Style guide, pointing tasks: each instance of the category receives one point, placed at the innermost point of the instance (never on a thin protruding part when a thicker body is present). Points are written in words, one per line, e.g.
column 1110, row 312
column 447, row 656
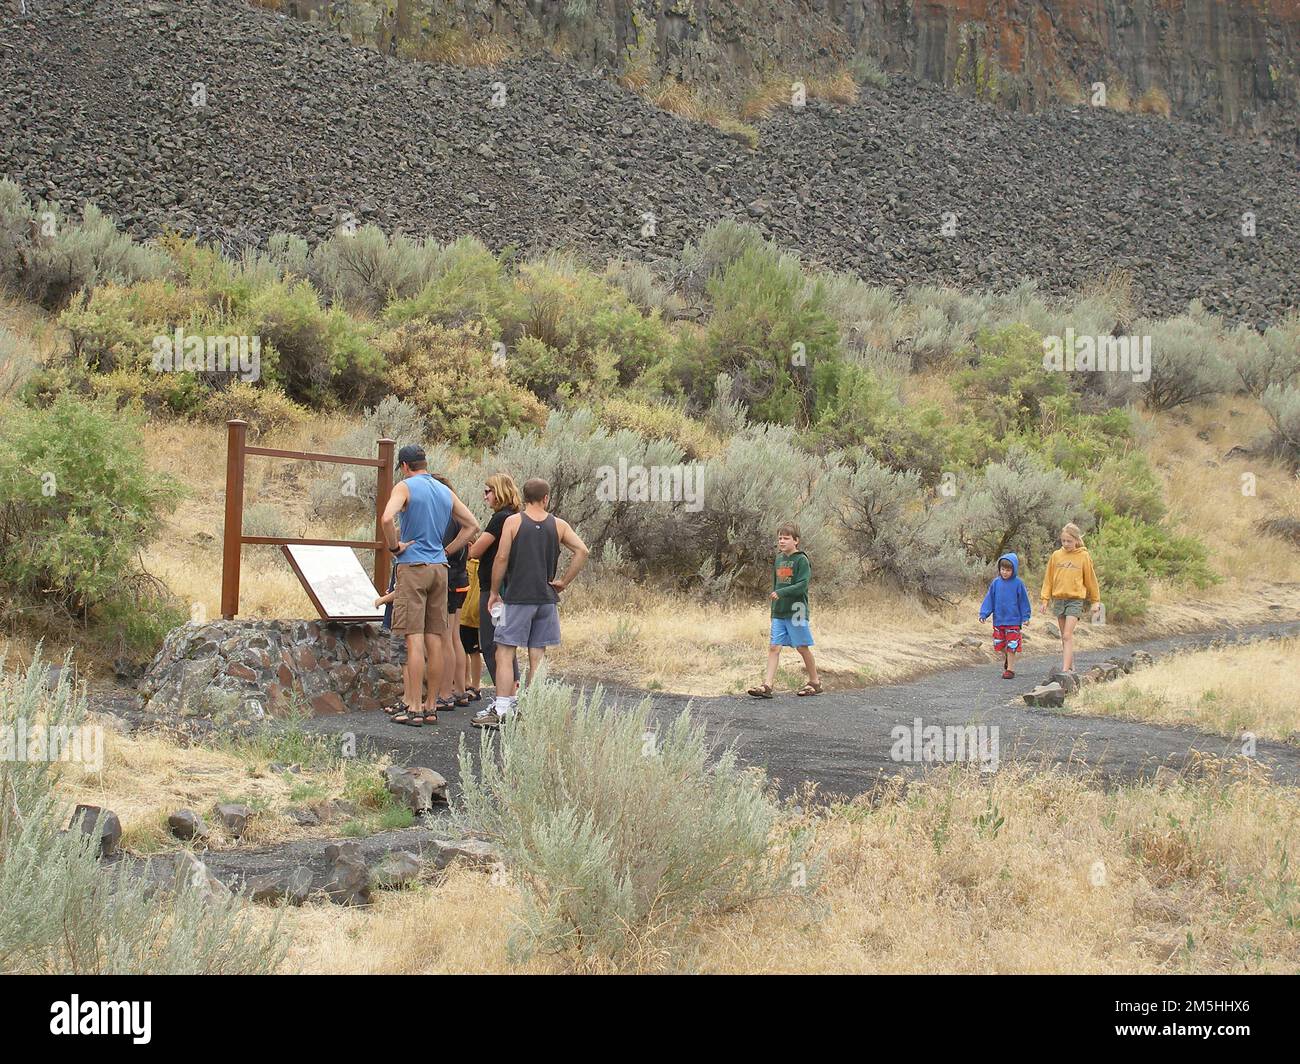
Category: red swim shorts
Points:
column 1006, row 638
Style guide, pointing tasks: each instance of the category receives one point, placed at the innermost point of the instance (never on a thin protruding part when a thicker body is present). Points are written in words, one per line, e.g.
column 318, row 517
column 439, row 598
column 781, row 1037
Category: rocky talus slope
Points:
column 300, row 128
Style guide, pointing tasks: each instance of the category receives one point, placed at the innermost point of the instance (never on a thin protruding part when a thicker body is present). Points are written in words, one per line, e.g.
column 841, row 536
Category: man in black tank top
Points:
column 526, row 561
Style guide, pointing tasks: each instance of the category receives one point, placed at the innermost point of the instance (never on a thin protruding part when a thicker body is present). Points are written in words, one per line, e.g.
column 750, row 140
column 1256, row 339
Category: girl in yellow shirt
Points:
column 1069, row 582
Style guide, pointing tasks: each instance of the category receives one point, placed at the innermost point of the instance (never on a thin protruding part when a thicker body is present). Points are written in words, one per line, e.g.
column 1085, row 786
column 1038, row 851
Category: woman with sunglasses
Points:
column 503, row 499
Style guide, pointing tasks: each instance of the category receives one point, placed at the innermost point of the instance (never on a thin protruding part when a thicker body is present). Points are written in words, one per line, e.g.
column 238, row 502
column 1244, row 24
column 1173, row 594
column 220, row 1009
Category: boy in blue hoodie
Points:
column 1007, row 602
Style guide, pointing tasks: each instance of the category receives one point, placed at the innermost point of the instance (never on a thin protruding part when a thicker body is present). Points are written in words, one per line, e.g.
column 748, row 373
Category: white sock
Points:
column 503, row 706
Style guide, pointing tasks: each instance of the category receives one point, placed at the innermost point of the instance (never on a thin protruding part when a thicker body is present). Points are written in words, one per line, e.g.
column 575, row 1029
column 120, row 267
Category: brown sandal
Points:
column 810, row 689
column 763, row 690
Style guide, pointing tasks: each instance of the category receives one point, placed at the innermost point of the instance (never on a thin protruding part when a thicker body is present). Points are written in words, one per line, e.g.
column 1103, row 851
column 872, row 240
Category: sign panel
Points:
column 335, row 582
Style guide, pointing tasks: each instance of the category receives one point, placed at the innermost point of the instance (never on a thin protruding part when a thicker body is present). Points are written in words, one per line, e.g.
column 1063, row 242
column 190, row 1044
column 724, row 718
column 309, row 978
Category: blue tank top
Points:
column 426, row 515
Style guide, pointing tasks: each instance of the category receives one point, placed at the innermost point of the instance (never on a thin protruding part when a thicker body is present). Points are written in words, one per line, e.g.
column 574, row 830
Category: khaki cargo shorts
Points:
column 420, row 605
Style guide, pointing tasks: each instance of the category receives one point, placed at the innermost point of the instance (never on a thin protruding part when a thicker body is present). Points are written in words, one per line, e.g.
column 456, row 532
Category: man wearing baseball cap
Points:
column 420, row 602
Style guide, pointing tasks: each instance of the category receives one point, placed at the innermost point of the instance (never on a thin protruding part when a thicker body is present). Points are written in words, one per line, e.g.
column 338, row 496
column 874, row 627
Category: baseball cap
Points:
column 410, row 454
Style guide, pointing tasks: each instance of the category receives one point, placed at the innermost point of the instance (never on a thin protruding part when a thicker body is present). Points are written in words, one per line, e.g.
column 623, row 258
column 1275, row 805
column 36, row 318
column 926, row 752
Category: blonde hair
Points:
column 503, row 486
column 1073, row 531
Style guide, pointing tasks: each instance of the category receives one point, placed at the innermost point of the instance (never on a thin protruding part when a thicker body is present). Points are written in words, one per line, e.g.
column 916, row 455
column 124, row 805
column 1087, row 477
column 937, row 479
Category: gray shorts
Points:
column 1068, row 608
column 529, row 624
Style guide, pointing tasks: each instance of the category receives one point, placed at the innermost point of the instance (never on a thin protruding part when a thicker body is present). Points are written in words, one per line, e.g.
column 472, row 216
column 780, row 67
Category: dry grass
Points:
column 838, row 87
column 1228, row 691
column 765, row 99
column 457, row 48
column 1154, row 101
column 1189, row 877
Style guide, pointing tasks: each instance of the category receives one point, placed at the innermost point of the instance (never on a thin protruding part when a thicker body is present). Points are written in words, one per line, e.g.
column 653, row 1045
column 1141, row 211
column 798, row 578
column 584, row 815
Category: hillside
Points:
column 300, row 130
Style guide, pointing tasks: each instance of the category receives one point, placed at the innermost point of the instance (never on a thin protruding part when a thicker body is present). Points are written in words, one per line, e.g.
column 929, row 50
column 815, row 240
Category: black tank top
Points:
column 534, row 555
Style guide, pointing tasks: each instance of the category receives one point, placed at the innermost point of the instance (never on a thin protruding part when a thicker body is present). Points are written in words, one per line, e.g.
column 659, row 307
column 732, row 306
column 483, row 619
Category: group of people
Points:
column 496, row 587
column 1069, row 586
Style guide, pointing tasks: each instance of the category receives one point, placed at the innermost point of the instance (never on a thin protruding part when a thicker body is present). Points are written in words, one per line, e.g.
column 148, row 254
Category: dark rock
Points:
column 186, row 824
column 290, row 884
column 348, row 880
column 477, row 853
column 395, row 870
column 1068, row 681
column 235, row 817
column 1048, row 694
column 417, row 788
column 92, row 820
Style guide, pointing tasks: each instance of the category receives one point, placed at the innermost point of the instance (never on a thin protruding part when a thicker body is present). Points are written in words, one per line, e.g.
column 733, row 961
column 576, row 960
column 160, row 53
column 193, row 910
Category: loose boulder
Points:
column 289, row 884
column 1068, row 681
column 348, row 880
column 185, row 824
column 1051, row 695
column 92, row 820
column 189, row 871
column 416, row 788
column 476, row 853
column 395, row 870
column 235, row 816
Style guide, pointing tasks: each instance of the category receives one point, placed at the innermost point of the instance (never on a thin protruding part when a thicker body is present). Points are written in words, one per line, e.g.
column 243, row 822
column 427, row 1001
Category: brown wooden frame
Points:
column 236, row 451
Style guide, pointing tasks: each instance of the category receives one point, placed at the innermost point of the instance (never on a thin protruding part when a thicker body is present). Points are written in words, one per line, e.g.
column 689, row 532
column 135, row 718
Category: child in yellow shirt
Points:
column 1070, row 580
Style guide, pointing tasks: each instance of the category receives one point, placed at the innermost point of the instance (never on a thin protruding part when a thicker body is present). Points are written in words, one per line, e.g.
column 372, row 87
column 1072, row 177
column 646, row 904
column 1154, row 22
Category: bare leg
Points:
column 433, row 667
column 1010, row 666
column 773, row 658
column 1067, row 642
column 414, row 672
column 536, row 655
column 505, row 674
column 446, row 675
column 808, row 663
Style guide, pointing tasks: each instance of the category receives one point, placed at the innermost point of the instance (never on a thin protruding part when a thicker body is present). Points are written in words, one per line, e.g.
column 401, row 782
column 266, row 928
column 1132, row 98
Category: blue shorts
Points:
column 786, row 633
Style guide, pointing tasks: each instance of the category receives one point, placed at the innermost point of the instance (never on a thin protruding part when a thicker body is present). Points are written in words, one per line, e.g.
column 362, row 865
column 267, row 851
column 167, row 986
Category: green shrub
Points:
column 772, row 333
column 1126, row 486
column 451, row 377
column 659, row 421
column 77, row 503
column 622, row 832
column 17, row 364
column 467, row 283
column 1129, row 553
column 265, row 407
column 1008, row 388
column 63, row 912
column 316, row 355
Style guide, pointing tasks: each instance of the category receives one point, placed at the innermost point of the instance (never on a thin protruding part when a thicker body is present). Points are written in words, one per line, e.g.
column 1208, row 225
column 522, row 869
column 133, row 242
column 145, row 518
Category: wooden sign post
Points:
column 236, row 451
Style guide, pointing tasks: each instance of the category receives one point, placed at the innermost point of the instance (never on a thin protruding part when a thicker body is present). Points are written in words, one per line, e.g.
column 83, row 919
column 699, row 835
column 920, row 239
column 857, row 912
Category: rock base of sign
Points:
column 253, row 669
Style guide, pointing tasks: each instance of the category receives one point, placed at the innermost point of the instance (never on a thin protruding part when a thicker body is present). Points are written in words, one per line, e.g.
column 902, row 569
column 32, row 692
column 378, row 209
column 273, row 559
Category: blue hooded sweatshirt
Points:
column 1007, row 600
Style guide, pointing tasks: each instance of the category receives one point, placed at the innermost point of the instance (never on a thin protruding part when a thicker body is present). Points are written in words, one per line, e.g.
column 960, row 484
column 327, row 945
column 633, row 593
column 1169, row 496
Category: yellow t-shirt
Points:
column 469, row 611
column 1070, row 575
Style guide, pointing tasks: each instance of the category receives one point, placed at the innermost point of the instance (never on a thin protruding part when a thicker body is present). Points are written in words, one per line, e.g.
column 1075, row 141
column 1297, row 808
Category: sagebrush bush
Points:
column 1187, row 361
column 623, row 831
column 1282, row 405
column 466, row 283
column 1269, row 360
column 720, row 245
column 897, row 534
column 77, row 503
column 772, row 332
column 659, row 421
column 1016, row 504
column 450, row 375
column 365, row 270
column 1127, row 486
column 49, row 257
column 61, row 911
column 17, row 363
column 1130, row 553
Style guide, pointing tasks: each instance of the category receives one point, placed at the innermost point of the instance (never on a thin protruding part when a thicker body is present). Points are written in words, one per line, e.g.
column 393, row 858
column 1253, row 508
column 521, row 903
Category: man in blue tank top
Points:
column 420, row 602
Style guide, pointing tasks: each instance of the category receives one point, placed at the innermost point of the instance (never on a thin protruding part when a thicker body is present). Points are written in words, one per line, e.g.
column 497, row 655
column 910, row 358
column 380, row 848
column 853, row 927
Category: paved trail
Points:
column 841, row 740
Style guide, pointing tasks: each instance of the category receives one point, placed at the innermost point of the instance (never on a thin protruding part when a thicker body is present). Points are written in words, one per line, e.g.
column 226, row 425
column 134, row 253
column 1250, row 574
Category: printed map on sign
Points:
column 335, row 582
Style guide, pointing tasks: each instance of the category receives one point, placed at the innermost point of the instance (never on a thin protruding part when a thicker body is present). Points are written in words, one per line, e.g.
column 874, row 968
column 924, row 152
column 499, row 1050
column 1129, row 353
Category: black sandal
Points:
column 397, row 707
column 475, row 694
column 409, row 718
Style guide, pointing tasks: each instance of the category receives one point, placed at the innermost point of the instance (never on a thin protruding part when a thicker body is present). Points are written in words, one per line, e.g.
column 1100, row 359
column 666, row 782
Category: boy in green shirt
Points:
column 791, row 575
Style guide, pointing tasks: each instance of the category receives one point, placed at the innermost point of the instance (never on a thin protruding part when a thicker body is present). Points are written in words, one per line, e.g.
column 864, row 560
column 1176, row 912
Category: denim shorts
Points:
column 786, row 633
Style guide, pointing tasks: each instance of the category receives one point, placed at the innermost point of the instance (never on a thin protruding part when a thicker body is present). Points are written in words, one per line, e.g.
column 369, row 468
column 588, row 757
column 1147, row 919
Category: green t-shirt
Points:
column 790, row 578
